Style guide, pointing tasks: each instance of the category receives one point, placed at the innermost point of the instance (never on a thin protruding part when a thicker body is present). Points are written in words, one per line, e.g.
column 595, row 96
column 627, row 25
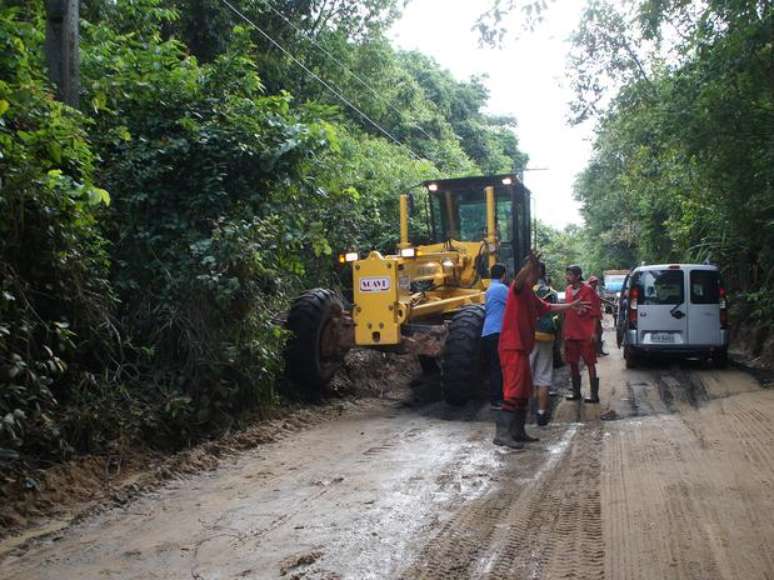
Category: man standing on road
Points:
column 496, row 296
column 541, row 359
column 517, row 338
column 579, row 331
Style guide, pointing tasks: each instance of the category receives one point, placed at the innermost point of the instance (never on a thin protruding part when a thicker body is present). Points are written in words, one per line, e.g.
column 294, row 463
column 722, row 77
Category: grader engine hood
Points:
column 449, row 264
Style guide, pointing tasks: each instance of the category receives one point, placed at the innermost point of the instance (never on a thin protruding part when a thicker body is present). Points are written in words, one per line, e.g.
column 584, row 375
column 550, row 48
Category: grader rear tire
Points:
column 461, row 364
column 306, row 362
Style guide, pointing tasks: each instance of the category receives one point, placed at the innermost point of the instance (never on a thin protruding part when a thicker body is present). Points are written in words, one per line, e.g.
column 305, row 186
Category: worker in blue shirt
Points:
column 496, row 295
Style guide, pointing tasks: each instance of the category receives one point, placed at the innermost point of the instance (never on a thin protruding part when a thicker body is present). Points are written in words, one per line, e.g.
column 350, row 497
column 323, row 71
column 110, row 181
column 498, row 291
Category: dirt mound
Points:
column 370, row 373
column 84, row 485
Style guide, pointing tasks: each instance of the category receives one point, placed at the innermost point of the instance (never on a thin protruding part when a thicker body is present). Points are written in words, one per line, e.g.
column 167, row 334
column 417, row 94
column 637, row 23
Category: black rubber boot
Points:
column 541, row 419
column 517, row 427
column 503, row 436
column 576, row 384
column 594, row 398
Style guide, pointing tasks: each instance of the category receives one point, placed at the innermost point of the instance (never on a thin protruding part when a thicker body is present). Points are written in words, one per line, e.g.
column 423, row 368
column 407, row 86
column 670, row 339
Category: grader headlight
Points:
column 408, row 252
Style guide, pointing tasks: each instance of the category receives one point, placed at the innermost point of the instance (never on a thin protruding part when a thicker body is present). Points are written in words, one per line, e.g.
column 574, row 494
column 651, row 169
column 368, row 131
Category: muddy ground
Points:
column 37, row 500
column 679, row 484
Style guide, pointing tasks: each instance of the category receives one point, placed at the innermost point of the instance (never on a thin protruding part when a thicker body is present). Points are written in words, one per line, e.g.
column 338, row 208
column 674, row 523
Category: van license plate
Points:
column 662, row 337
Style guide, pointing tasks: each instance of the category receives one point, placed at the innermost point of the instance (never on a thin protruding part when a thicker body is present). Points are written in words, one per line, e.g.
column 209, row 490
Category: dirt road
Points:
column 679, row 485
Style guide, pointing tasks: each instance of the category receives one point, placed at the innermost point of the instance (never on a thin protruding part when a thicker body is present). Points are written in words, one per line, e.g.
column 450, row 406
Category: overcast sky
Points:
column 527, row 79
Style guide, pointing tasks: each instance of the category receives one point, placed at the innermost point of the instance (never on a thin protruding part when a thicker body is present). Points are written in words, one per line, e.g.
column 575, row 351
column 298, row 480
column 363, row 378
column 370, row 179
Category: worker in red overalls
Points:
column 517, row 337
column 580, row 329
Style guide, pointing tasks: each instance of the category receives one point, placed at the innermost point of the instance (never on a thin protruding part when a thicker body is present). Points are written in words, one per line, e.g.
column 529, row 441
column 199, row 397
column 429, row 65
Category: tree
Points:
column 680, row 146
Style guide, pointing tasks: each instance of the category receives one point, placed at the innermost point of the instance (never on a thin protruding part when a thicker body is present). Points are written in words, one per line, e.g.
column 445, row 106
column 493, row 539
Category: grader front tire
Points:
column 307, row 362
column 461, row 365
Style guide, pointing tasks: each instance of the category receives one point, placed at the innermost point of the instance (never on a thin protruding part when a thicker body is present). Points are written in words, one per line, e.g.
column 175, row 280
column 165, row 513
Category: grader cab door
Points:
column 458, row 212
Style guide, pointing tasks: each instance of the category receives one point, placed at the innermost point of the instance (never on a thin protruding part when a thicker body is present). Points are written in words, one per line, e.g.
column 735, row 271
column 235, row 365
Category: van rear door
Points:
column 661, row 312
column 704, row 307
column 621, row 307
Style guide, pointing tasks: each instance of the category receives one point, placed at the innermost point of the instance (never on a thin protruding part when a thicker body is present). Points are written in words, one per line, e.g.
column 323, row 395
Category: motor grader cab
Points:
column 426, row 298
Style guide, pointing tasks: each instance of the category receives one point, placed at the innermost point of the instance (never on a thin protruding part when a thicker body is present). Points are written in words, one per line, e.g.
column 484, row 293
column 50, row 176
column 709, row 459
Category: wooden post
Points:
column 62, row 54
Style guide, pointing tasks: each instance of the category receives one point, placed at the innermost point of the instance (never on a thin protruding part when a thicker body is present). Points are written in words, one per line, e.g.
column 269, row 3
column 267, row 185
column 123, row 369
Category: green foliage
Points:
column 371, row 173
column 562, row 248
column 150, row 312
column 216, row 205
column 684, row 158
column 55, row 298
column 492, row 26
column 487, row 140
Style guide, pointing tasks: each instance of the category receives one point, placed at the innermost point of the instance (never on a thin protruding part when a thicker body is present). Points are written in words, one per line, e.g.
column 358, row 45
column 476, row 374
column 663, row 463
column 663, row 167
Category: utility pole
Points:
column 62, row 51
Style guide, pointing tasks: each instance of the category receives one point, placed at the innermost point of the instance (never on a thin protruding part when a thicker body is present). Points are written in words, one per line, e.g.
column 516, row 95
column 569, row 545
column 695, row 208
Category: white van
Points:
column 674, row 310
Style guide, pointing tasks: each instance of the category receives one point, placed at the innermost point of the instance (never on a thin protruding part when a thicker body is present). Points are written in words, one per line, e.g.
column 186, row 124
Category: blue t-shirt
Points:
column 496, row 295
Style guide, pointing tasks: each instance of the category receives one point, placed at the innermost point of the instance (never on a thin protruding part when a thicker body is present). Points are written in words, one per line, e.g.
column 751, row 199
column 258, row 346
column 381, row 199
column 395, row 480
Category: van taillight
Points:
column 723, row 309
column 633, row 298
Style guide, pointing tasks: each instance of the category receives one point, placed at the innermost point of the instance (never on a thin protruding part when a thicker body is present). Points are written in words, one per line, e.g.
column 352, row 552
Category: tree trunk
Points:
column 62, row 51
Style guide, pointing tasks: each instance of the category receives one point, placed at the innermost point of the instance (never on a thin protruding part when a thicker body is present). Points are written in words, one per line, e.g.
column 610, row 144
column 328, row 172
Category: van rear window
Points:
column 660, row 287
column 705, row 287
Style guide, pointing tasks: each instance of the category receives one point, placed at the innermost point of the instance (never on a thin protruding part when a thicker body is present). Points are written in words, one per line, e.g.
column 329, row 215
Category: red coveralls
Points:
column 517, row 338
column 579, row 329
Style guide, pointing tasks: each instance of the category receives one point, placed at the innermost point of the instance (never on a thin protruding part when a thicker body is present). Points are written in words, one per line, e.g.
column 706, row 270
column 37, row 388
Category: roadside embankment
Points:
column 752, row 345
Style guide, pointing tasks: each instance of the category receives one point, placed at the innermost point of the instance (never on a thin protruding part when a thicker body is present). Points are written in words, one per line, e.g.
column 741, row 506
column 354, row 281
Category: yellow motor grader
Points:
column 426, row 298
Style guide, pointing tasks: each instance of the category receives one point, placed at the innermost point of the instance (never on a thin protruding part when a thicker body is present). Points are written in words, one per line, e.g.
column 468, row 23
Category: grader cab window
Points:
column 457, row 211
column 462, row 216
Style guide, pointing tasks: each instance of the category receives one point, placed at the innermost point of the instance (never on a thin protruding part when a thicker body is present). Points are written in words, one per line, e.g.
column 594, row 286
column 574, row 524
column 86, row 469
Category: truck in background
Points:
column 612, row 283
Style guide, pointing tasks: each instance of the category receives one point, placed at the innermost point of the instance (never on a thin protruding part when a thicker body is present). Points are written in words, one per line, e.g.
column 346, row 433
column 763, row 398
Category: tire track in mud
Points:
column 558, row 534
column 543, row 521
column 648, row 517
column 754, row 431
column 688, row 495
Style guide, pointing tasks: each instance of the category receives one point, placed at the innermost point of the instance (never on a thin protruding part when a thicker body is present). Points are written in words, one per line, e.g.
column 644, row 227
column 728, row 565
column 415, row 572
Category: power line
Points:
column 353, row 74
column 336, row 93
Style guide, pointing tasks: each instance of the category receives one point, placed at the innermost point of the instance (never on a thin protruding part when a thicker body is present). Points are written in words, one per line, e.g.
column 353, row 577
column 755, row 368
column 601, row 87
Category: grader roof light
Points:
column 351, row 256
column 432, row 187
column 507, row 181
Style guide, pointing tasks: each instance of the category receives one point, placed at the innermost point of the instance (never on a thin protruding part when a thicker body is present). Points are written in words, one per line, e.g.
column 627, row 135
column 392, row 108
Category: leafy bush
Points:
column 55, row 298
column 150, row 313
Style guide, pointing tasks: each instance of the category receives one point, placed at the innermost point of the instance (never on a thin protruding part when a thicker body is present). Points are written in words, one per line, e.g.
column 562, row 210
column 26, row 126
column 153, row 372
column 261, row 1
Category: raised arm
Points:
column 578, row 305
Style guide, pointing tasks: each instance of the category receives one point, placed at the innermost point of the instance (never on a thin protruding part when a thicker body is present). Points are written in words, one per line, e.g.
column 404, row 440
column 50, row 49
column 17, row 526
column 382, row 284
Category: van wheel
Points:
column 631, row 359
